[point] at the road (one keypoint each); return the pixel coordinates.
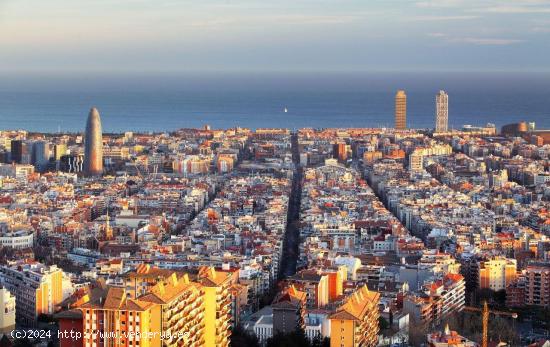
(291, 250)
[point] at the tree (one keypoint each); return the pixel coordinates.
(296, 338)
(500, 297)
(242, 338)
(383, 323)
(483, 294)
(24, 342)
(319, 341)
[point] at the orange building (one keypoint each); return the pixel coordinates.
(217, 306)
(369, 157)
(225, 164)
(159, 307)
(113, 319)
(341, 151)
(336, 280)
(355, 323)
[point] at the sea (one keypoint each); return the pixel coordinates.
(158, 102)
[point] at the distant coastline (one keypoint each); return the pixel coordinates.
(163, 103)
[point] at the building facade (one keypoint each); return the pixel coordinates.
(441, 112)
(537, 285)
(400, 110)
(289, 310)
(37, 289)
(93, 145)
(355, 323)
(497, 274)
(7, 311)
(163, 304)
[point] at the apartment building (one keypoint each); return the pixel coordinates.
(537, 285)
(289, 311)
(217, 306)
(497, 273)
(160, 303)
(37, 288)
(355, 322)
(7, 311)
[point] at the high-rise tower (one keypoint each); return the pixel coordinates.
(93, 145)
(400, 110)
(441, 112)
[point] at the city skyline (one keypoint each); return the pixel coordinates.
(274, 173)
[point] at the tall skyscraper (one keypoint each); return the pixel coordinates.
(40, 154)
(400, 110)
(93, 145)
(441, 112)
(18, 151)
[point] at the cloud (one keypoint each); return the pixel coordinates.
(490, 6)
(486, 41)
(541, 29)
(440, 3)
(514, 9)
(443, 18)
(479, 41)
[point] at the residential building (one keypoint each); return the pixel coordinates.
(355, 323)
(289, 311)
(497, 273)
(7, 311)
(537, 286)
(217, 306)
(37, 288)
(111, 318)
(448, 338)
(315, 284)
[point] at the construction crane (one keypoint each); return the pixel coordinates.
(485, 319)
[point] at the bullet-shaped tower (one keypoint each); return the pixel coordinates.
(93, 145)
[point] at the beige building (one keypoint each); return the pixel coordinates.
(38, 289)
(416, 162)
(497, 273)
(7, 311)
(400, 110)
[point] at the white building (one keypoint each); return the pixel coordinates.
(7, 311)
(17, 239)
(16, 170)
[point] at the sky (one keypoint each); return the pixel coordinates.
(65, 36)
